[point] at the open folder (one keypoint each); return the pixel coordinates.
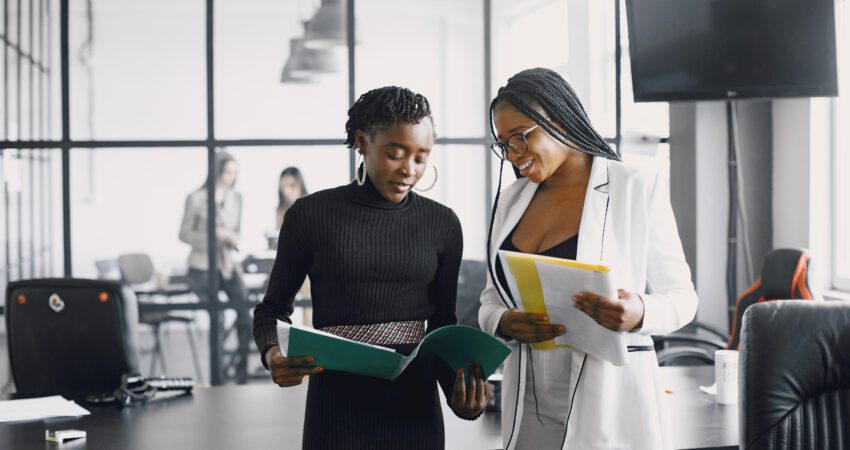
(457, 345)
(546, 285)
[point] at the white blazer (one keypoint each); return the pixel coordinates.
(627, 224)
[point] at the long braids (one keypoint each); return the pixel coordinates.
(547, 90)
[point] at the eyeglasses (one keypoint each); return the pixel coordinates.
(517, 143)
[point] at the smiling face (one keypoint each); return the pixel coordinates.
(396, 157)
(545, 155)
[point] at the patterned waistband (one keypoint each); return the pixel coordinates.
(389, 333)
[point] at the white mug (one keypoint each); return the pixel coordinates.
(726, 376)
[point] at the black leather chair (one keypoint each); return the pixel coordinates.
(784, 275)
(70, 336)
(794, 376)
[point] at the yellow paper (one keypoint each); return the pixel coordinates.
(524, 271)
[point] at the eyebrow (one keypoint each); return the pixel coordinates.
(396, 145)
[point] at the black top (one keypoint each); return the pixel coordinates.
(567, 249)
(369, 261)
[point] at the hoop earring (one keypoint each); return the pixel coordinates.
(436, 177)
(361, 163)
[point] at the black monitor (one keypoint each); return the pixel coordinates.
(726, 49)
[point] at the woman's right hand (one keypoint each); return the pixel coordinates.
(288, 372)
(529, 327)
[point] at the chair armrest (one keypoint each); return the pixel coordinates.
(715, 344)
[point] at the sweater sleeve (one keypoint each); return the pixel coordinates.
(287, 276)
(443, 291)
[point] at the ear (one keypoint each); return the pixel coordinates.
(361, 140)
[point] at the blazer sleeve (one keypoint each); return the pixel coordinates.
(672, 303)
(192, 231)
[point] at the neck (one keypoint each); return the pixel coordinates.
(574, 171)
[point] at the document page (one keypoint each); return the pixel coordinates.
(39, 408)
(559, 284)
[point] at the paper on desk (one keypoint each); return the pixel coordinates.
(39, 408)
(559, 283)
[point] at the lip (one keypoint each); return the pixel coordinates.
(399, 187)
(525, 172)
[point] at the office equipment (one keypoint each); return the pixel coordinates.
(546, 285)
(39, 408)
(784, 275)
(795, 375)
(728, 49)
(259, 415)
(457, 345)
(70, 336)
(61, 436)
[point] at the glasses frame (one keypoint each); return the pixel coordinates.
(501, 148)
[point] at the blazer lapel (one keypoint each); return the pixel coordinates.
(517, 208)
(594, 215)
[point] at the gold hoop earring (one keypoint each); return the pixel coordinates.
(436, 177)
(361, 164)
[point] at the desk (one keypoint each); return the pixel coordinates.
(263, 416)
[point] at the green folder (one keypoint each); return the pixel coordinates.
(457, 345)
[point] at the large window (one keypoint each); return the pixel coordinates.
(156, 89)
(841, 189)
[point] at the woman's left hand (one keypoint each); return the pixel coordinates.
(470, 402)
(625, 313)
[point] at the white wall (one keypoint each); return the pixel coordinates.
(802, 175)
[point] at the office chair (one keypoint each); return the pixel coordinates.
(794, 376)
(784, 275)
(54, 345)
(137, 270)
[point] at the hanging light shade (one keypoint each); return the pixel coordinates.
(327, 27)
(304, 63)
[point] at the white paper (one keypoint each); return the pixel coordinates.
(559, 284)
(39, 408)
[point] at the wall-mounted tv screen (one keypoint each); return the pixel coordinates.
(726, 49)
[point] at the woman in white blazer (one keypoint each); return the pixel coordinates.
(576, 199)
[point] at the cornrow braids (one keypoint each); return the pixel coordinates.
(382, 108)
(548, 90)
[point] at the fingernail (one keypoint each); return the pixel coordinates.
(575, 298)
(575, 305)
(460, 372)
(310, 359)
(321, 369)
(545, 318)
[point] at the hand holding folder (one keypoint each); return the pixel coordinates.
(455, 344)
(545, 285)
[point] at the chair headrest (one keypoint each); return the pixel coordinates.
(780, 269)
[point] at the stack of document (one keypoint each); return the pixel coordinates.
(546, 285)
(457, 345)
(39, 408)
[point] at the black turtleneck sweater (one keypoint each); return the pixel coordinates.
(369, 261)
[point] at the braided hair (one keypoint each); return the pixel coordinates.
(546, 89)
(381, 108)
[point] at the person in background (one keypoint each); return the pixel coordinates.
(576, 200)
(228, 218)
(291, 187)
(383, 262)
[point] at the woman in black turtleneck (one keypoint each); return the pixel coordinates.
(382, 261)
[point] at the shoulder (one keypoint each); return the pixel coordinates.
(633, 178)
(319, 198)
(437, 210)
